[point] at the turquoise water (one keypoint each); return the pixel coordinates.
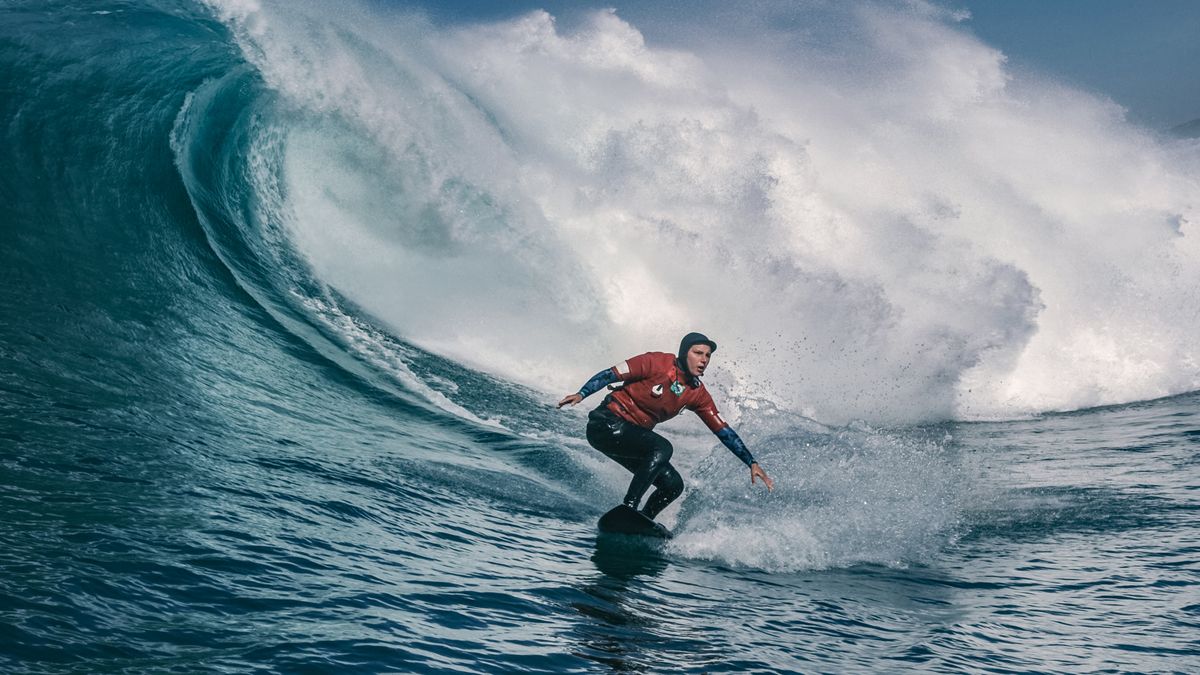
(213, 458)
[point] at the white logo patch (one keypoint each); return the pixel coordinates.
(656, 391)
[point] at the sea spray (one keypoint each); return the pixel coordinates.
(843, 496)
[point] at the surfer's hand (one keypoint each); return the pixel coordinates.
(756, 471)
(570, 399)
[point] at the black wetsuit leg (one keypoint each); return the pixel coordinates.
(667, 488)
(646, 454)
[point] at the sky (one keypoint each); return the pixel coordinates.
(1142, 54)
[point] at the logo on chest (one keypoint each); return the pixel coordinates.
(657, 390)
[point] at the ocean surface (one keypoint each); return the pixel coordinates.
(288, 292)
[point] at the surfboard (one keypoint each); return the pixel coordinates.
(625, 520)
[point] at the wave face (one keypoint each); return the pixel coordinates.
(285, 294)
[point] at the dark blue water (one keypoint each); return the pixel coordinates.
(213, 461)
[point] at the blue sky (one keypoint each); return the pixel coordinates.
(1143, 54)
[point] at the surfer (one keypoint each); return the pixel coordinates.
(657, 387)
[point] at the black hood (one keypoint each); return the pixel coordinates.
(689, 341)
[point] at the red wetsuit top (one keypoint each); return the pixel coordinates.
(656, 390)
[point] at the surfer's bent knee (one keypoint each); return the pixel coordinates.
(661, 449)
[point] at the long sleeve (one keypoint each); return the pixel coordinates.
(734, 442)
(707, 410)
(599, 381)
(630, 370)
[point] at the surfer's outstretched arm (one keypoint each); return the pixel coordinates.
(735, 444)
(599, 381)
(729, 438)
(630, 370)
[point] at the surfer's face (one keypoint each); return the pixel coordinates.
(697, 359)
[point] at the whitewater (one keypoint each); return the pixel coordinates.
(290, 290)
(914, 232)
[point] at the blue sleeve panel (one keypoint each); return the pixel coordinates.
(599, 381)
(734, 442)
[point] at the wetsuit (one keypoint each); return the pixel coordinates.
(657, 388)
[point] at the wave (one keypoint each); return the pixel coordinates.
(899, 230)
(887, 226)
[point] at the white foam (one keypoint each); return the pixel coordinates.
(897, 227)
(857, 495)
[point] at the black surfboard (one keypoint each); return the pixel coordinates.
(625, 520)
